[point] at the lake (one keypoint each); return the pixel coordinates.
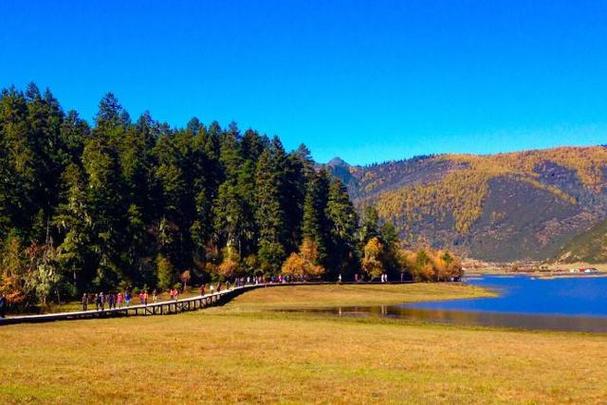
(564, 303)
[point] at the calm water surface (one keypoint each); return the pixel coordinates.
(567, 303)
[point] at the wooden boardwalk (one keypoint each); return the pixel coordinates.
(163, 307)
(158, 308)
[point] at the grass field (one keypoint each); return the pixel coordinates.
(245, 351)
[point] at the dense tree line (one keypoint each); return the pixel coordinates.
(138, 203)
(127, 202)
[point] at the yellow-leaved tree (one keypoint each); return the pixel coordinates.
(303, 264)
(13, 270)
(230, 264)
(372, 258)
(432, 265)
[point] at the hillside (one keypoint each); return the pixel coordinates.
(587, 247)
(524, 205)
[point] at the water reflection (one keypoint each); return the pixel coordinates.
(471, 318)
(568, 304)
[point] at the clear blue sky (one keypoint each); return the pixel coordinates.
(364, 80)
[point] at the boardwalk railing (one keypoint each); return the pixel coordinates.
(157, 308)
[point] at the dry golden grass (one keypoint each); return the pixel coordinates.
(316, 296)
(243, 353)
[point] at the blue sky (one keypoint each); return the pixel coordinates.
(365, 80)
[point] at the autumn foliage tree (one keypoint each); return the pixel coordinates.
(13, 271)
(372, 263)
(303, 265)
(165, 272)
(230, 264)
(431, 265)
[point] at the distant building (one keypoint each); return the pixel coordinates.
(588, 270)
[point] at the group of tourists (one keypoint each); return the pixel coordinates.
(113, 300)
(383, 278)
(123, 299)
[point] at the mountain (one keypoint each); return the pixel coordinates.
(588, 247)
(503, 207)
(344, 172)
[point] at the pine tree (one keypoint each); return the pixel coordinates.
(73, 132)
(19, 183)
(76, 253)
(293, 195)
(269, 210)
(176, 201)
(316, 225)
(111, 119)
(234, 214)
(369, 227)
(45, 118)
(106, 202)
(390, 258)
(343, 257)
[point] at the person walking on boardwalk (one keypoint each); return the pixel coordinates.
(154, 296)
(2, 305)
(202, 289)
(85, 301)
(119, 299)
(145, 297)
(111, 301)
(127, 298)
(99, 301)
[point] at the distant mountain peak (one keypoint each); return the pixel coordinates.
(337, 161)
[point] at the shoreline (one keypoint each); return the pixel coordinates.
(538, 274)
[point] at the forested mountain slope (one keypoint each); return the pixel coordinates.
(523, 205)
(588, 247)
